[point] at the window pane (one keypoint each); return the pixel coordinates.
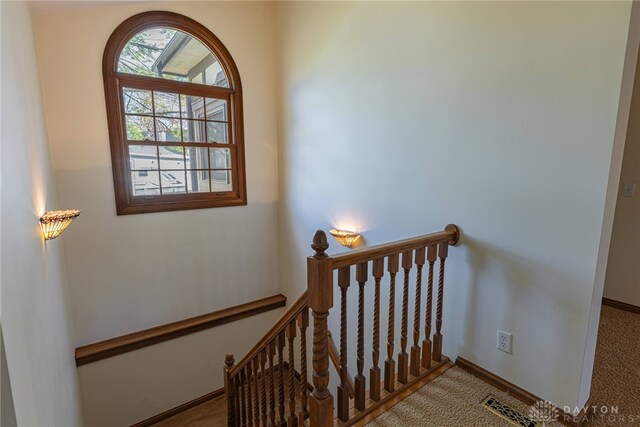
(197, 158)
(217, 109)
(221, 181)
(193, 131)
(197, 181)
(192, 107)
(220, 158)
(170, 54)
(137, 101)
(145, 183)
(168, 130)
(139, 128)
(171, 157)
(173, 182)
(166, 104)
(215, 76)
(143, 157)
(217, 132)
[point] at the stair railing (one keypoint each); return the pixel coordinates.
(261, 381)
(251, 384)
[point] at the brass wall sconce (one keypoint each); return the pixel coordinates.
(345, 237)
(53, 223)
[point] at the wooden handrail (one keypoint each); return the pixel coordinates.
(451, 235)
(257, 376)
(287, 317)
(114, 346)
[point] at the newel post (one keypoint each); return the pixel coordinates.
(320, 291)
(229, 390)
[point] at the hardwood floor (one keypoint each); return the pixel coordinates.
(209, 414)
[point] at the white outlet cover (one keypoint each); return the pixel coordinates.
(628, 189)
(504, 341)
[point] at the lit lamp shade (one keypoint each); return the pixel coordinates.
(54, 222)
(344, 237)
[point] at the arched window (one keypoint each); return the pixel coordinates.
(174, 107)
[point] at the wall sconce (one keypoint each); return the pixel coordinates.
(344, 237)
(54, 222)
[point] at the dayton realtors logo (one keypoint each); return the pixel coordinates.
(544, 412)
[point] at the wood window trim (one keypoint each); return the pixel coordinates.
(126, 203)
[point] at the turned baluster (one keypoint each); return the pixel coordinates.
(303, 324)
(403, 357)
(443, 249)
(415, 349)
(291, 336)
(344, 280)
(256, 390)
(360, 380)
(374, 372)
(280, 343)
(229, 390)
(320, 290)
(390, 364)
(426, 343)
(271, 352)
(263, 386)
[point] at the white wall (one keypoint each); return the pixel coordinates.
(133, 272)
(36, 326)
(146, 382)
(499, 117)
(623, 270)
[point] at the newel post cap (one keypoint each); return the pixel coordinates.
(229, 361)
(320, 243)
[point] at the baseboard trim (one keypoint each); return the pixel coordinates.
(180, 408)
(136, 340)
(518, 392)
(621, 305)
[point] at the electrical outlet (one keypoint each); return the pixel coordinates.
(628, 189)
(505, 341)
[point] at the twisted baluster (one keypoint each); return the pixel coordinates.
(303, 324)
(374, 373)
(256, 394)
(250, 392)
(291, 336)
(390, 364)
(344, 281)
(403, 357)
(282, 419)
(415, 349)
(263, 382)
(271, 351)
(242, 390)
(426, 343)
(360, 380)
(443, 249)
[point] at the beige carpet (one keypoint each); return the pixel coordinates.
(452, 399)
(616, 375)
